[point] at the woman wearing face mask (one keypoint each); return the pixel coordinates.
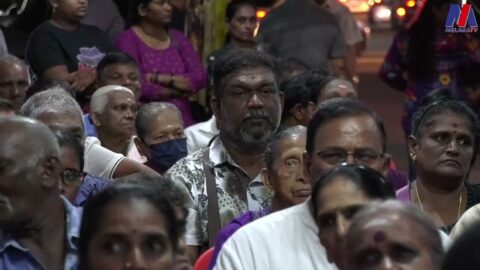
(337, 196)
(161, 139)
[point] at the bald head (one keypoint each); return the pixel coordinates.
(393, 233)
(28, 136)
(14, 80)
(30, 174)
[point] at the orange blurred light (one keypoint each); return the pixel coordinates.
(401, 12)
(343, 1)
(411, 3)
(378, 1)
(261, 14)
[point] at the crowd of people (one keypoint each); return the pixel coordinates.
(104, 166)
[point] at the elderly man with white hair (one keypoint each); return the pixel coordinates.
(113, 110)
(57, 109)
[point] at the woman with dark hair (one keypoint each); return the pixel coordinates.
(425, 57)
(443, 146)
(127, 226)
(337, 196)
(76, 185)
(169, 65)
(64, 49)
(241, 19)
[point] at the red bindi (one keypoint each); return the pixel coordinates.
(379, 236)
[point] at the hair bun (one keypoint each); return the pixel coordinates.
(436, 96)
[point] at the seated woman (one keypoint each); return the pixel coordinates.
(128, 226)
(161, 139)
(392, 235)
(64, 49)
(337, 196)
(76, 185)
(283, 175)
(170, 67)
(443, 145)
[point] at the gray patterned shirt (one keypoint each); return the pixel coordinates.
(233, 199)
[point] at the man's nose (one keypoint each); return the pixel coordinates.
(135, 260)
(255, 101)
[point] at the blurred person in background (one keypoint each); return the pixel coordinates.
(14, 80)
(105, 15)
(171, 69)
(62, 48)
(424, 57)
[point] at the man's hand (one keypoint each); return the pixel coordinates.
(83, 78)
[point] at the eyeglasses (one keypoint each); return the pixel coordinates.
(73, 178)
(335, 157)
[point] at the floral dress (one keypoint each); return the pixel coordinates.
(453, 52)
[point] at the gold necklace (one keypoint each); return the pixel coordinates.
(459, 201)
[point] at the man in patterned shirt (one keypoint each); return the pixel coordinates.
(247, 104)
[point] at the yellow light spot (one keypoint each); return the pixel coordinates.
(261, 14)
(411, 3)
(401, 12)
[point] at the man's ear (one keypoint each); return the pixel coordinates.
(96, 119)
(142, 10)
(142, 148)
(51, 173)
(266, 179)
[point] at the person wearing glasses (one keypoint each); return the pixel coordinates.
(341, 131)
(39, 228)
(76, 185)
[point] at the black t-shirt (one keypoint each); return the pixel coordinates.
(51, 46)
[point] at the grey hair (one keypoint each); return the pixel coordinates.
(430, 235)
(10, 59)
(100, 97)
(53, 100)
(271, 152)
(147, 112)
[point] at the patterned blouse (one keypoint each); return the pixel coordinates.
(179, 58)
(453, 52)
(232, 199)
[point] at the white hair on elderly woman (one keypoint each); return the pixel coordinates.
(99, 100)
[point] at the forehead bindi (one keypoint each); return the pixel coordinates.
(451, 122)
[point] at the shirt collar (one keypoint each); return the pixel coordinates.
(219, 155)
(72, 222)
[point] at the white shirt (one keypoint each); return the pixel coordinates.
(3, 45)
(99, 161)
(199, 135)
(287, 240)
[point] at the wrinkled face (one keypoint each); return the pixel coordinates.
(249, 109)
(445, 147)
(64, 121)
(243, 23)
(287, 177)
(165, 126)
(337, 203)
(73, 9)
(387, 241)
(20, 187)
(126, 75)
(132, 234)
(119, 115)
(157, 11)
(337, 88)
(71, 164)
(354, 140)
(14, 83)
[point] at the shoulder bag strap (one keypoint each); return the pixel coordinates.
(213, 212)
